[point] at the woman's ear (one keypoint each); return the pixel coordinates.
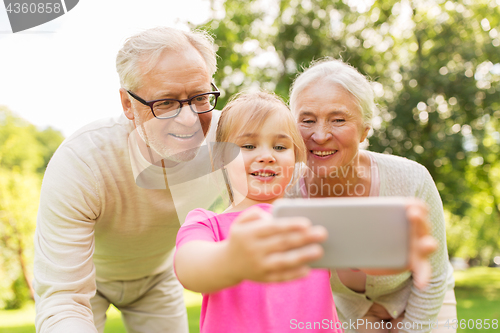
(365, 133)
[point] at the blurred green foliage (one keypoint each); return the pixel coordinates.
(434, 67)
(24, 154)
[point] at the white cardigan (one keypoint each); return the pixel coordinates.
(402, 177)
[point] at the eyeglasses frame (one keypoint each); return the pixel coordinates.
(181, 102)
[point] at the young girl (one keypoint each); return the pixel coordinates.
(229, 257)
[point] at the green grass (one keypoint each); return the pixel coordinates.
(21, 321)
(114, 323)
(18, 321)
(477, 291)
(478, 296)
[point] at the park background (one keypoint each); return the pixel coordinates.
(434, 67)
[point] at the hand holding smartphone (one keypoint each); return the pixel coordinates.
(368, 232)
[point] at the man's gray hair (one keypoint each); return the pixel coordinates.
(339, 72)
(146, 47)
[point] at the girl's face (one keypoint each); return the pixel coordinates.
(331, 124)
(266, 163)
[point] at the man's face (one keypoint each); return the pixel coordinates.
(178, 75)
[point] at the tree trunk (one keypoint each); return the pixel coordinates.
(20, 256)
(27, 278)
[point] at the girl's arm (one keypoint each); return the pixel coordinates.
(259, 248)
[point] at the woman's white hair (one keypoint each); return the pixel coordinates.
(339, 72)
(146, 47)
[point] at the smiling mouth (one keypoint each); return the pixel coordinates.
(263, 174)
(182, 136)
(323, 153)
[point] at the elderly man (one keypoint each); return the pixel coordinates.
(100, 237)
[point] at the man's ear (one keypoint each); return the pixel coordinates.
(126, 104)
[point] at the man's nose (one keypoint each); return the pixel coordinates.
(186, 116)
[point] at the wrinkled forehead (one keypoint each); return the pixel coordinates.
(186, 61)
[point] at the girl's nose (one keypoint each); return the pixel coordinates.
(266, 156)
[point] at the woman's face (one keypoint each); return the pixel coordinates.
(330, 121)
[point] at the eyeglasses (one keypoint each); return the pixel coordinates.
(170, 107)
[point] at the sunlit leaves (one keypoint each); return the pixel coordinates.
(24, 154)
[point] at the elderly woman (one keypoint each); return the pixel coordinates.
(334, 104)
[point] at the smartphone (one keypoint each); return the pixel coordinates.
(368, 232)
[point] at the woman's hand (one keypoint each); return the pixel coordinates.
(422, 245)
(264, 249)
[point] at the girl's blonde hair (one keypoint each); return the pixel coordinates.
(248, 112)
